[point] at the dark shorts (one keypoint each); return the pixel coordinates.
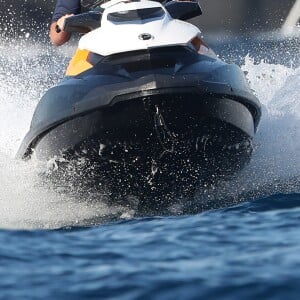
(64, 7)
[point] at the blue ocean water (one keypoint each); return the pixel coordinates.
(239, 240)
(248, 251)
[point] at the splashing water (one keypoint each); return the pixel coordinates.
(278, 140)
(28, 71)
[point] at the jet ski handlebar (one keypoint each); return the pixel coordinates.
(85, 22)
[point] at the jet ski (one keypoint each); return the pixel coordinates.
(145, 102)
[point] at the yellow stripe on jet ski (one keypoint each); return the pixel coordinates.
(79, 63)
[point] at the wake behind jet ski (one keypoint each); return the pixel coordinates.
(146, 103)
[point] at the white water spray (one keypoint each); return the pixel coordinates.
(25, 202)
(278, 139)
(27, 72)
